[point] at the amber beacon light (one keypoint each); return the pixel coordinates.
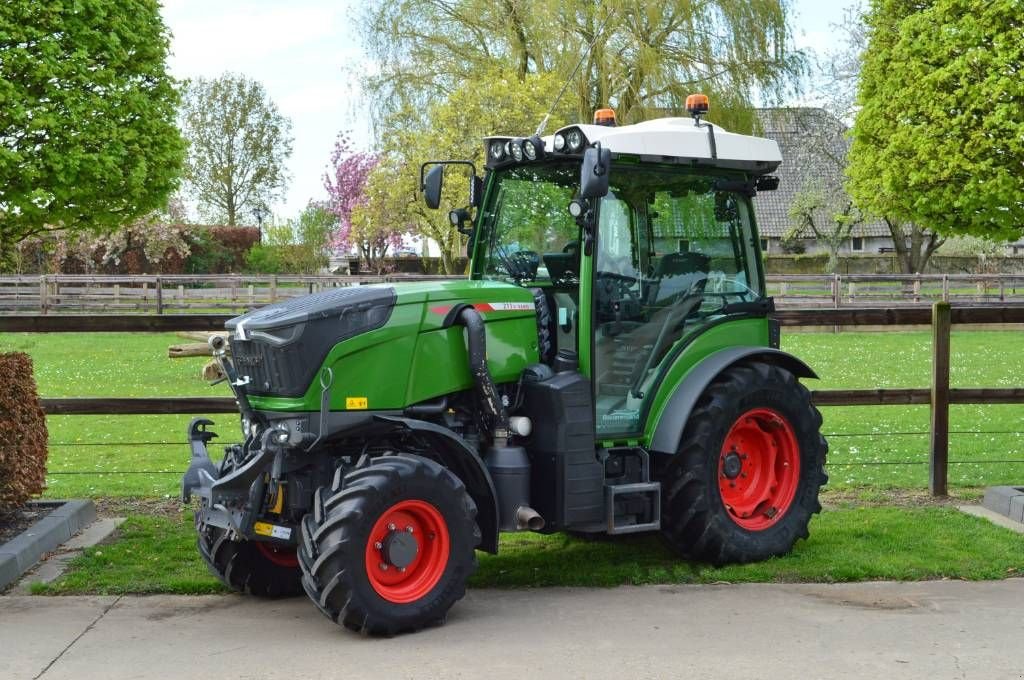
(604, 117)
(697, 105)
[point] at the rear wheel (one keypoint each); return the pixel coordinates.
(745, 481)
(389, 547)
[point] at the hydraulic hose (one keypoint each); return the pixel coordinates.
(490, 401)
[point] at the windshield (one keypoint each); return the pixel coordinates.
(531, 238)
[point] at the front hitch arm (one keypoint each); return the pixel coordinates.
(231, 501)
(198, 437)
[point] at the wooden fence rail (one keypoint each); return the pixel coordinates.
(939, 396)
(171, 294)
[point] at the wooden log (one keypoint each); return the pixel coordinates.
(212, 371)
(192, 349)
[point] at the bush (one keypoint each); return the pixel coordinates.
(283, 259)
(22, 433)
(209, 255)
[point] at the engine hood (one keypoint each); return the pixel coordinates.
(279, 348)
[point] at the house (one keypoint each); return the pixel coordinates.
(814, 144)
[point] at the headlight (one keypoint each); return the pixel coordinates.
(497, 150)
(529, 150)
(574, 139)
(559, 142)
(517, 151)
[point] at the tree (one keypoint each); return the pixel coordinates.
(828, 215)
(296, 246)
(647, 56)
(455, 128)
(838, 73)
(939, 138)
(87, 134)
(361, 205)
(238, 146)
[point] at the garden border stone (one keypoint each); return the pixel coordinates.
(1005, 500)
(21, 553)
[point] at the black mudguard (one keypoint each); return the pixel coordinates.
(461, 459)
(669, 430)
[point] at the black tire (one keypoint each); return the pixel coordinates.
(336, 537)
(245, 568)
(696, 521)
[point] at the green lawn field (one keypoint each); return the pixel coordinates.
(882, 446)
(874, 450)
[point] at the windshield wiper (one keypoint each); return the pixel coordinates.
(511, 266)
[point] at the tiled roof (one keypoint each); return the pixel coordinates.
(814, 145)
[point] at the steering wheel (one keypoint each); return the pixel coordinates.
(616, 288)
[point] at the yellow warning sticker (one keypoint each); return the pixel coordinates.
(355, 403)
(272, 530)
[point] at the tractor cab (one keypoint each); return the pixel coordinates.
(637, 239)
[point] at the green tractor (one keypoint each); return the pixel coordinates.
(609, 366)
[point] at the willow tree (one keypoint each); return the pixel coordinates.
(647, 54)
(452, 128)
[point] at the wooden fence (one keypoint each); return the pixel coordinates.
(170, 294)
(859, 290)
(942, 316)
(59, 294)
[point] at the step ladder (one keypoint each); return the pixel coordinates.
(629, 524)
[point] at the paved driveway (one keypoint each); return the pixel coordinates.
(874, 630)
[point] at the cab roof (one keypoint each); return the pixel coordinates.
(680, 138)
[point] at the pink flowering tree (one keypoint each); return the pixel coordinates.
(362, 216)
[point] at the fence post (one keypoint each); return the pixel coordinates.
(273, 288)
(43, 290)
(159, 295)
(939, 463)
(945, 287)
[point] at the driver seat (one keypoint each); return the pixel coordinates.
(676, 275)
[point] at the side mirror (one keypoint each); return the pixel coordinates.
(431, 186)
(597, 162)
(459, 218)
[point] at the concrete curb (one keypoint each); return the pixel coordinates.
(1005, 500)
(22, 552)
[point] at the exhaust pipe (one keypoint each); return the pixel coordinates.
(528, 518)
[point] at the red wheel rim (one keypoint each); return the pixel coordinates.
(282, 557)
(759, 469)
(408, 579)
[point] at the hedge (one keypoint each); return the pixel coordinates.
(23, 435)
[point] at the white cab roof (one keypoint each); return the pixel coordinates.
(681, 138)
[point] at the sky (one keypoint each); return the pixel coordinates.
(308, 54)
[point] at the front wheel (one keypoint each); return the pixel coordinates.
(389, 547)
(745, 480)
(250, 567)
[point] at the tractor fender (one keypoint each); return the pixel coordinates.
(669, 430)
(467, 465)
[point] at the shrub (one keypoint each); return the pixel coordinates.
(22, 433)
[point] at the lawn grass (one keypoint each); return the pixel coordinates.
(867, 444)
(158, 555)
